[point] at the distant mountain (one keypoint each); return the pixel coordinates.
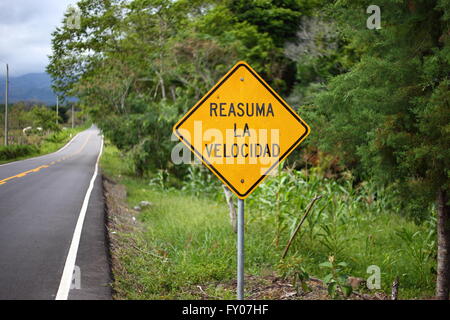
(35, 87)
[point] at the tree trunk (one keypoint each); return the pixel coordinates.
(443, 254)
(163, 88)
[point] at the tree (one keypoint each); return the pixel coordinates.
(18, 116)
(389, 116)
(76, 51)
(278, 18)
(45, 118)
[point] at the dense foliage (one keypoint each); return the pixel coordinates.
(389, 115)
(16, 151)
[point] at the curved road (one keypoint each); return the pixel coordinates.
(40, 204)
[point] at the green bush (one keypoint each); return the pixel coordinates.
(58, 137)
(16, 151)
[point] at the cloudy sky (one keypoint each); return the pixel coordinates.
(25, 32)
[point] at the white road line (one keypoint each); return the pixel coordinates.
(44, 155)
(66, 279)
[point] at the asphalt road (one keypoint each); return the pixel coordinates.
(40, 204)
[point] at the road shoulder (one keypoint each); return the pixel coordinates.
(92, 274)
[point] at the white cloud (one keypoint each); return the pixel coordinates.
(25, 32)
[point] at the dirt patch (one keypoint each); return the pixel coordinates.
(120, 217)
(272, 287)
(120, 221)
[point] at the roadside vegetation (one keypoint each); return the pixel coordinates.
(33, 131)
(183, 246)
(377, 102)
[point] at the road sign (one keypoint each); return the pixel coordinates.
(241, 129)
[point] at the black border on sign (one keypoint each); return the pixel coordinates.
(294, 145)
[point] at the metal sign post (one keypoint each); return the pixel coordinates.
(240, 250)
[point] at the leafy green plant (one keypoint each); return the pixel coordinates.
(420, 246)
(332, 233)
(336, 280)
(160, 180)
(58, 137)
(201, 182)
(292, 268)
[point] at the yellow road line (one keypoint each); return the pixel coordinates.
(23, 174)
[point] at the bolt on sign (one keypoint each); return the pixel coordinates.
(241, 129)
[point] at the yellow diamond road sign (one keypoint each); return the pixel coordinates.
(241, 129)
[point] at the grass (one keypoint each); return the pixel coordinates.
(185, 240)
(49, 144)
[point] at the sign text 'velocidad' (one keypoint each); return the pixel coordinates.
(254, 148)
